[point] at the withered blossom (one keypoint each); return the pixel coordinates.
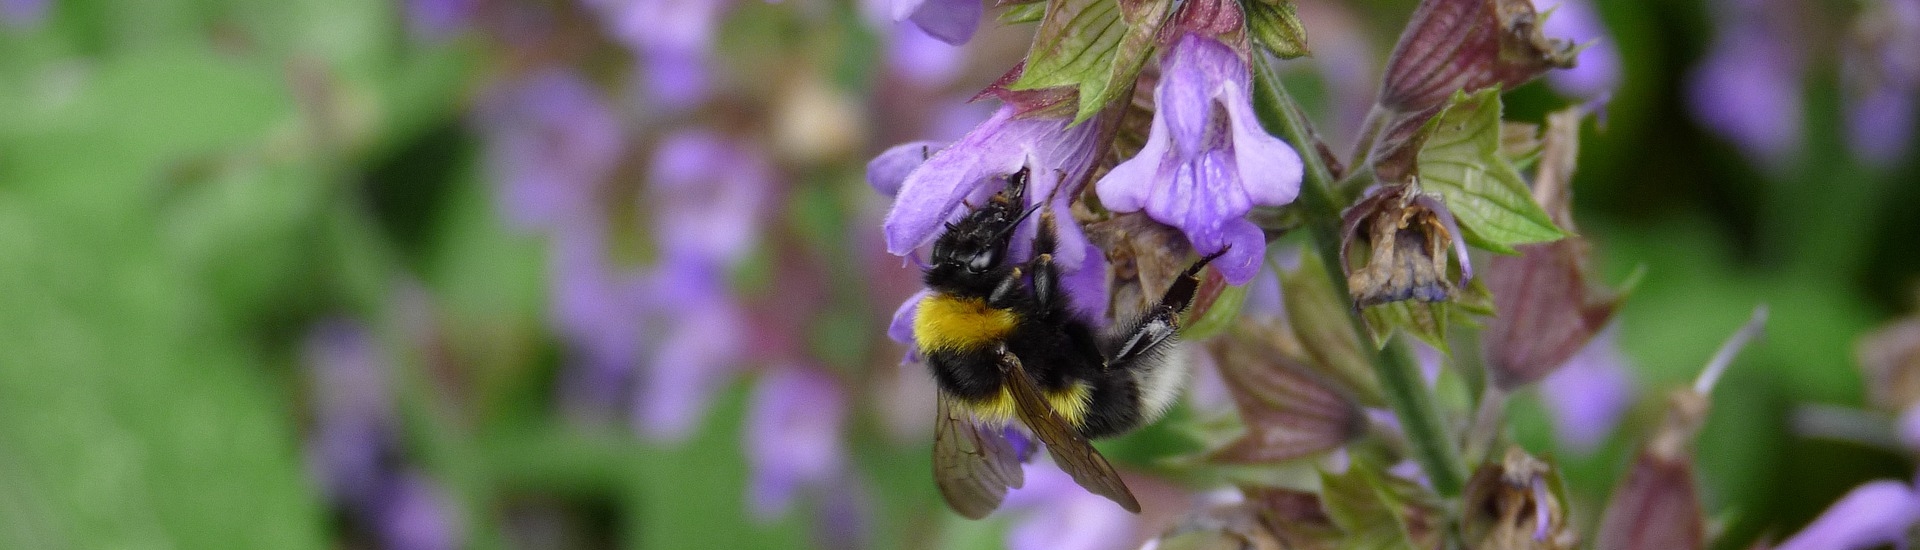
(1453, 45)
(1510, 506)
(1408, 234)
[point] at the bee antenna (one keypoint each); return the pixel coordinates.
(1016, 221)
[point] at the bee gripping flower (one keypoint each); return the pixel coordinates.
(1207, 162)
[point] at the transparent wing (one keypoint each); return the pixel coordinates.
(1069, 449)
(973, 466)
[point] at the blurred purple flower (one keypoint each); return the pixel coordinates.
(1876, 514)
(352, 451)
(1596, 73)
(1207, 162)
(1748, 87)
(923, 58)
(22, 13)
(951, 21)
(1587, 396)
(699, 349)
(707, 195)
(551, 144)
(438, 19)
(1056, 514)
(1882, 74)
(598, 310)
(1909, 428)
(673, 38)
(794, 437)
(417, 516)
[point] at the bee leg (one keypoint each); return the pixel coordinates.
(1005, 293)
(1163, 319)
(1046, 278)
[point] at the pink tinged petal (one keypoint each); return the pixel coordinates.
(1587, 397)
(793, 436)
(901, 328)
(1270, 171)
(1875, 514)
(951, 21)
(1197, 70)
(1086, 287)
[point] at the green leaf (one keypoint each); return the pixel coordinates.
(1461, 161)
(1424, 320)
(1023, 13)
(1096, 47)
(1276, 26)
(1376, 510)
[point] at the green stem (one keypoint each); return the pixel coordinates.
(1400, 379)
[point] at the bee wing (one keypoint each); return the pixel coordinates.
(1069, 449)
(973, 466)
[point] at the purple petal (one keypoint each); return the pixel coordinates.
(793, 436)
(676, 79)
(1910, 427)
(888, 171)
(708, 195)
(1197, 71)
(999, 146)
(1086, 285)
(551, 143)
(1270, 171)
(419, 516)
(1126, 187)
(1242, 262)
(1589, 394)
(1748, 90)
(951, 21)
(1056, 514)
(1597, 71)
(901, 328)
(922, 58)
(1880, 125)
(694, 358)
(438, 19)
(1877, 513)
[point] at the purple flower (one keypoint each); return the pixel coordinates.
(951, 21)
(353, 452)
(699, 348)
(1883, 78)
(551, 144)
(966, 171)
(1748, 88)
(1872, 515)
(22, 13)
(794, 436)
(438, 19)
(598, 310)
(672, 38)
(1207, 162)
(707, 196)
(1056, 514)
(418, 515)
(923, 58)
(1596, 72)
(1587, 396)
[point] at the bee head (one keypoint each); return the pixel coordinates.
(977, 244)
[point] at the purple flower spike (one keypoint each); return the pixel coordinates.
(933, 194)
(1596, 72)
(951, 21)
(551, 143)
(1883, 78)
(707, 195)
(1207, 162)
(1872, 515)
(1587, 396)
(793, 437)
(353, 413)
(695, 354)
(418, 515)
(1748, 89)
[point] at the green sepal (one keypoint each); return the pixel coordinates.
(1023, 13)
(1218, 317)
(1462, 162)
(1275, 25)
(1426, 321)
(1377, 511)
(1094, 46)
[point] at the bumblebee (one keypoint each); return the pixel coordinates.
(1004, 345)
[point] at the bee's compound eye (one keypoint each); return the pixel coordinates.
(980, 262)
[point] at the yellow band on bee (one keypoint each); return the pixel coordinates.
(946, 323)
